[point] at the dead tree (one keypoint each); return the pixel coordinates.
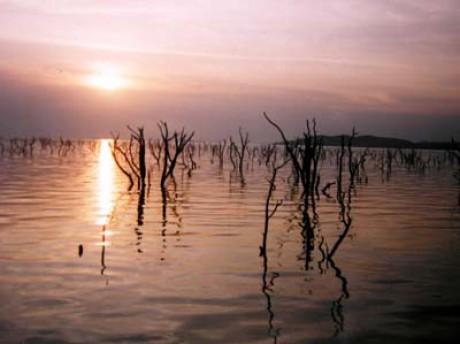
(31, 145)
(344, 202)
(130, 158)
(220, 153)
(269, 152)
(240, 151)
(340, 155)
(156, 148)
(316, 150)
(455, 152)
(361, 170)
(173, 146)
(269, 213)
(304, 155)
(119, 154)
(352, 163)
(187, 158)
(65, 146)
(139, 163)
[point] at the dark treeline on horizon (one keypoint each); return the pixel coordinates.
(384, 142)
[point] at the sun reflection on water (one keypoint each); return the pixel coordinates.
(106, 178)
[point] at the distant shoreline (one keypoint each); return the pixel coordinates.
(369, 141)
(363, 141)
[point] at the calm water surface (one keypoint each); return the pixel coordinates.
(195, 275)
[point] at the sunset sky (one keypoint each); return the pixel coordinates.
(85, 68)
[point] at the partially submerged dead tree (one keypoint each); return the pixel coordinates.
(121, 158)
(361, 170)
(220, 152)
(20, 146)
(269, 213)
(130, 158)
(188, 160)
(353, 164)
(156, 149)
(138, 137)
(267, 283)
(240, 152)
(269, 152)
(340, 156)
(455, 152)
(304, 154)
(173, 146)
(344, 197)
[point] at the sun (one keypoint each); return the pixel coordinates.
(107, 77)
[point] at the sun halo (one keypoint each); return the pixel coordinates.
(107, 77)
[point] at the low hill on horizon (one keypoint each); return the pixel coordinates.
(371, 141)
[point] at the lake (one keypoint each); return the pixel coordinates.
(189, 271)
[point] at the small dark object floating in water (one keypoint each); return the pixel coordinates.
(80, 250)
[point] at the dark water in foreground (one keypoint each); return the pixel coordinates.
(196, 275)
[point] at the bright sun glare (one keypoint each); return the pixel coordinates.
(107, 77)
(106, 181)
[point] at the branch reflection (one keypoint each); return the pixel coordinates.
(267, 288)
(103, 245)
(170, 201)
(344, 199)
(337, 307)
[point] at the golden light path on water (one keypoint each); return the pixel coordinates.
(106, 179)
